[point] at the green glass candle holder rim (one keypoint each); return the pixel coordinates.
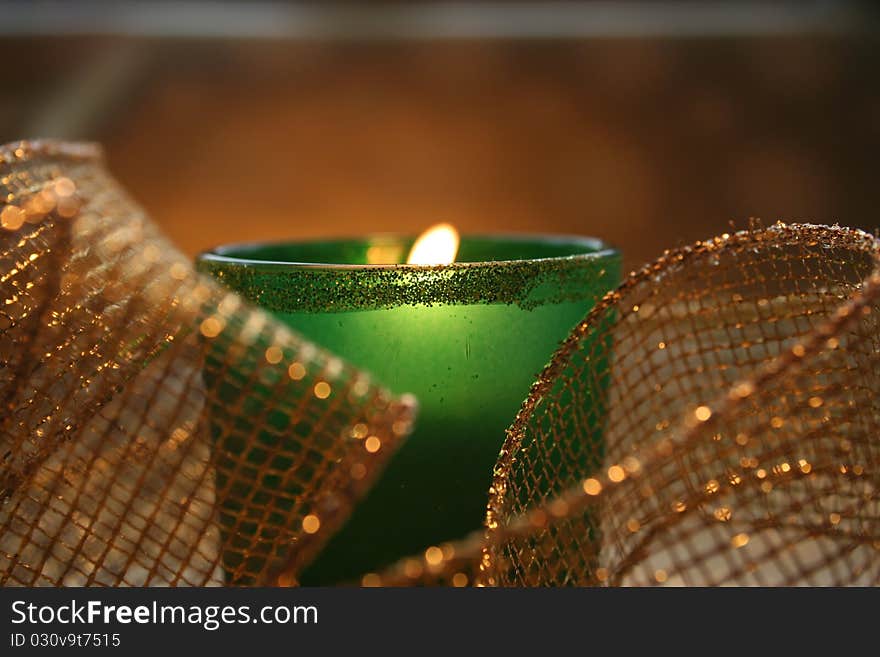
(576, 267)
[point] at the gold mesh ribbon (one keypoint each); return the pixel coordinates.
(155, 428)
(737, 442)
(158, 430)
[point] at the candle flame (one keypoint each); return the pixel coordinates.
(436, 246)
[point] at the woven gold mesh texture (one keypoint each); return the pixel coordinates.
(731, 439)
(155, 429)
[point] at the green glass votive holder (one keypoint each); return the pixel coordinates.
(467, 339)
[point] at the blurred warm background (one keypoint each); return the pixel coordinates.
(647, 123)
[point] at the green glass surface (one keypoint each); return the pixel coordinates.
(467, 339)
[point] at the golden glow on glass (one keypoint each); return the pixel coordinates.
(372, 444)
(384, 254)
(436, 246)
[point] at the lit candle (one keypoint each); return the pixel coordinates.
(467, 338)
